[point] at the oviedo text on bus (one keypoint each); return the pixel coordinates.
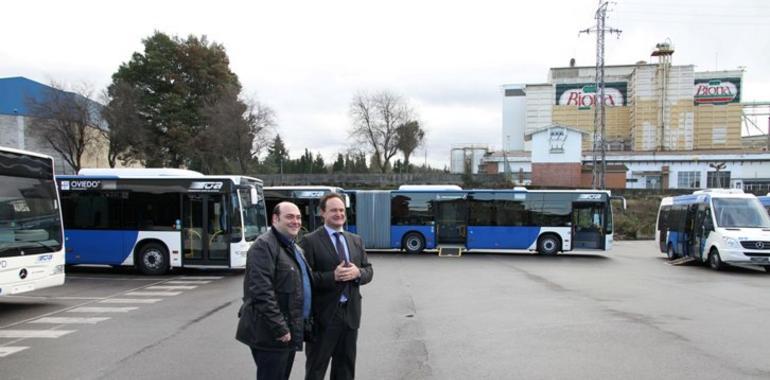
(415, 218)
(715, 226)
(157, 219)
(31, 249)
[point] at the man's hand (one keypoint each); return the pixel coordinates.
(346, 273)
(286, 338)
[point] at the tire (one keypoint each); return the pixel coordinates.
(548, 245)
(413, 243)
(767, 269)
(670, 252)
(715, 262)
(152, 259)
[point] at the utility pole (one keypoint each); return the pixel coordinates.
(599, 141)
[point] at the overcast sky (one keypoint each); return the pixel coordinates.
(306, 59)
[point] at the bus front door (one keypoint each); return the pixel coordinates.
(588, 225)
(451, 221)
(205, 237)
(699, 231)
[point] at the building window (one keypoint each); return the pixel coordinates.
(652, 182)
(718, 179)
(688, 180)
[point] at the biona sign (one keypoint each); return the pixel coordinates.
(585, 96)
(716, 91)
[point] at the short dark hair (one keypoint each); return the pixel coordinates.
(328, 196)
(277, 209)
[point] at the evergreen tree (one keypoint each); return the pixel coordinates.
(339, 164)
(174, 80)
(278, 155)
(318, 164)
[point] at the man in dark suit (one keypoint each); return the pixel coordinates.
(340, 267)
(276, 296)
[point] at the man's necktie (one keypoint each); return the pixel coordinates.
(340, 248)
(341, 254)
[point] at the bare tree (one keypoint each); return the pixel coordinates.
(375, 121)
(409, 136)
(235, 134)
(69, 121)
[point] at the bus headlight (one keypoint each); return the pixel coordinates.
(57, 269)
(731, 243)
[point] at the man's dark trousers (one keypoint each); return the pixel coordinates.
(273, 365)
(338, 342)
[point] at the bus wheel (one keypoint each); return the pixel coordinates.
(413, 243)
(152, 259)
(670, 252)
(767, 269)
(548, 245)
(715, 262)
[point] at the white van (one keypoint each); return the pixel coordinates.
(715, 226)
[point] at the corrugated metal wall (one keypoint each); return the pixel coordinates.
(373, 217)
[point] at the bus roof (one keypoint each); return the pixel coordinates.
(233, 178)
(316, 188)
(24, 152)
(139, 172)
(429, 187)
(705, 195)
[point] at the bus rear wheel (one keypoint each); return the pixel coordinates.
(414, 243)
(152, 259)
(548, 245)
(715, 262)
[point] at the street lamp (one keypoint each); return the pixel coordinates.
(717, 167)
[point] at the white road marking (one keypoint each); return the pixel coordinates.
(201, 277)
(131, 300)
(153, 294)
(185, 282)
(5, 351)
(171, 287)
(34, 333)
(67, 320)
(88, 309)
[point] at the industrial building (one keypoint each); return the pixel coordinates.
(666, 126)
(18, 96)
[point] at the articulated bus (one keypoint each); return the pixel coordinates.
(31, 249)
(305, 197)
(157, 219)
(715, 226)
(546, 221)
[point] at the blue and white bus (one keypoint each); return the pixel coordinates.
(545, 221)
(31, 249)
(158, 219)
(715, 226)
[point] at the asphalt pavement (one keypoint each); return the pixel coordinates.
(624, 314)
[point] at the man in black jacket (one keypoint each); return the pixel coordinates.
(340, 266)
(276, 296)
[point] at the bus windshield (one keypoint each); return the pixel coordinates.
(253, 215)
(740, 213)
(29, 216)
